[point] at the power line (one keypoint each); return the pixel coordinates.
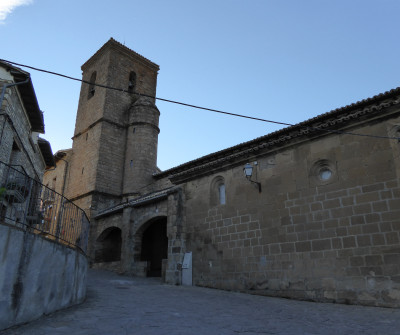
(199, 107)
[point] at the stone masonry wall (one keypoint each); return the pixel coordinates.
(57, 178)
(111, 155)
(16, 127)
(303, 236)
(82, 177)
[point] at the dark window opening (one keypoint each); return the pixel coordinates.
(132, 82)
(15, 146)
(16, 155)
(91, 85)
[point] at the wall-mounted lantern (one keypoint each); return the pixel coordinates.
(248, 172)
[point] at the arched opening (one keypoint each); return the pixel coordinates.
(108, 246)
(155, 246)
(218, 191)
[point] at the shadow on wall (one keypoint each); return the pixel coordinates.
(35, 269)
(108, 246)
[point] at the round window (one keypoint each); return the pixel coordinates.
(325, 174)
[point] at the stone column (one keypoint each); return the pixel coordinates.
(176, 237)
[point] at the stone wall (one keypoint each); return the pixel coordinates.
(38, 276)
(57, 178)
(310, 234)
(15, 128)
(82, 178)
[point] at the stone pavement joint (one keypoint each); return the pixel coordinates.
(123, 305)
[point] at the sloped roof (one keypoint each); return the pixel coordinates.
(28, 96)
(328, 122)
(136, 202)
(47, 153)
(113, 43)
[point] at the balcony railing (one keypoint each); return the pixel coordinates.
(30, 205)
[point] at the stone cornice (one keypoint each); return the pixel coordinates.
(102, 119)
(92, 193)
(333, 122)
(144, 124)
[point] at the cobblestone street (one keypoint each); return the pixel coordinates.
(124, 305)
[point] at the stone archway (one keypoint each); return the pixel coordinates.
(154, 245)
(108, 246)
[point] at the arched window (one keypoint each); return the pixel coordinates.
(132, 82)
(218, 191)
(91, 85)
(221, 194)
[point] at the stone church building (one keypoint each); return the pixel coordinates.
(318, 219)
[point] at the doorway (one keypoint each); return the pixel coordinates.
(155, 246)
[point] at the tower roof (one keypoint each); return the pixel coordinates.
(113, 44)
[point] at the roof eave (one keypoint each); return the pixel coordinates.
(28, 95)
(282, 136)
(47, 153)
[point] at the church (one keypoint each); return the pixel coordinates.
(311, 211)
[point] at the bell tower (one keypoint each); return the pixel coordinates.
(116, 133)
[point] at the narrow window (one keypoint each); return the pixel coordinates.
(218, 191)
(91, 85)
(132, 82)
(87, 135)
(221, 193)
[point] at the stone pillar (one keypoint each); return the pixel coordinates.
(176, 237)
(127, 261)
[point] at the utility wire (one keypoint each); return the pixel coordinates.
(199, 107)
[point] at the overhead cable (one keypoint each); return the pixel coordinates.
(311, 128)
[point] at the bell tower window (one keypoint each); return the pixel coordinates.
(132, 82)
(92, 85)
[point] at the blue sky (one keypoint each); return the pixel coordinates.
(274, 59)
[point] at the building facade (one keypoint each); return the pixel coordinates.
(36, 260)
(23, 154)
(21, 122)
(318, 219)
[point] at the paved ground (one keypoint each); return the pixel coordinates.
(123, 305)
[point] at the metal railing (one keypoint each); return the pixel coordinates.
(30, 205)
